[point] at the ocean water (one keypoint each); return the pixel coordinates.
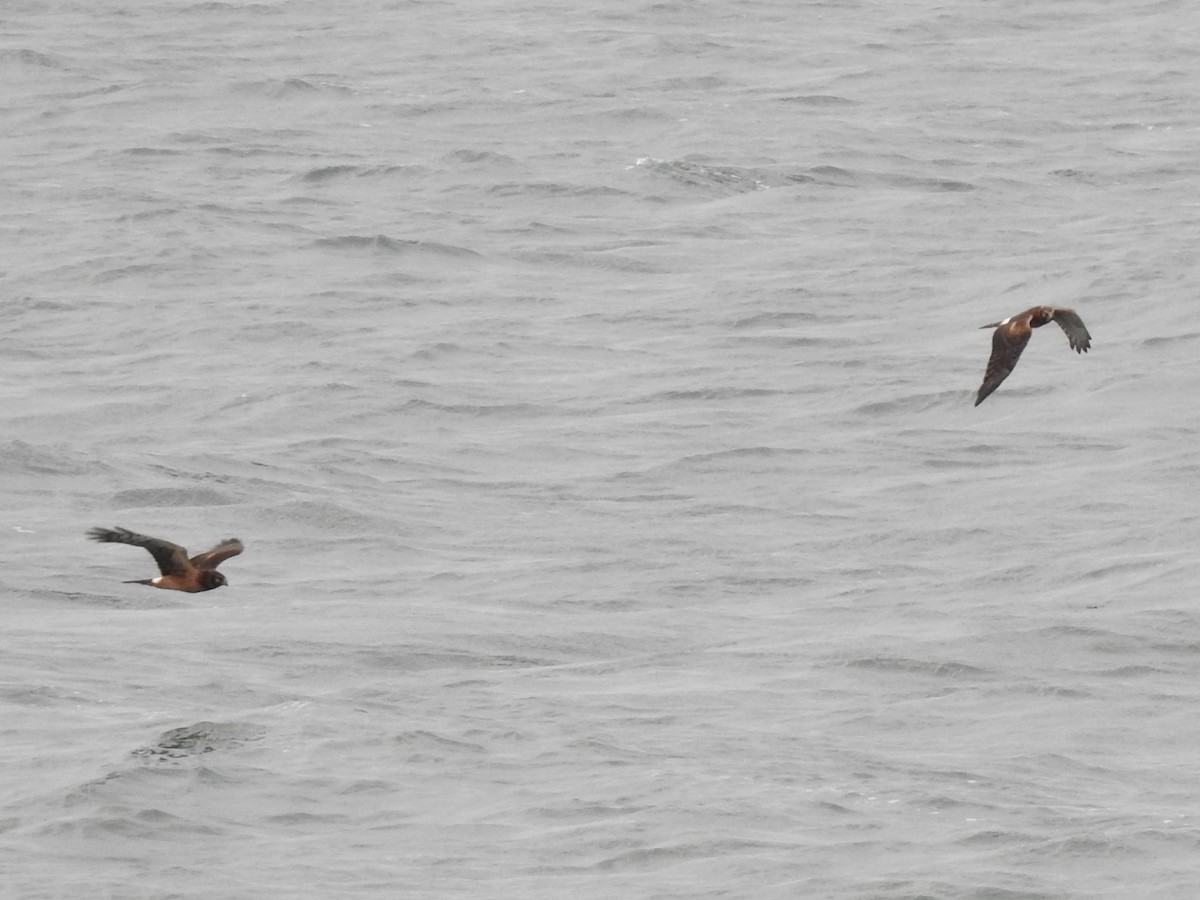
(592, 388)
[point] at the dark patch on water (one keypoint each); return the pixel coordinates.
(200, 738)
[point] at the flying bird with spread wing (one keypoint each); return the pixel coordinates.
(1013, 333)
(179, 573)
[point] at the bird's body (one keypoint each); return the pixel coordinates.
(179, 573)
(1013, 334)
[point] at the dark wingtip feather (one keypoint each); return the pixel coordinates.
(108, 535)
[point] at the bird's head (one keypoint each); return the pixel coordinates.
(212, 579)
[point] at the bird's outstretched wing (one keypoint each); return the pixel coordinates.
(171, 558)
(210, 559)
(1006, 350)
(1077, 333)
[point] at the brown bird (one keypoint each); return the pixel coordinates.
(1013, 333)
(178, 572)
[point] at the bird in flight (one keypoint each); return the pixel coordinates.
(1013, 333)
(179, 573)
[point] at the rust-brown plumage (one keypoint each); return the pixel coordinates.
(179, 573)
(1013, 333)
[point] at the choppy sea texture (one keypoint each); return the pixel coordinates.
(592, 388)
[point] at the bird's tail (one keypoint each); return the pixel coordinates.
(142, 581)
